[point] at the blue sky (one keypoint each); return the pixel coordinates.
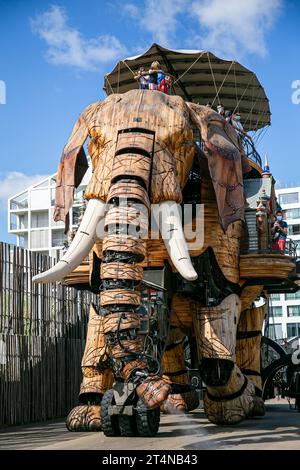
(53, 55)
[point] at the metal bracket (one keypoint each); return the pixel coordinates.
(120, 410)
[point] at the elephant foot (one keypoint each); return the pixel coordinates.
(258, 408)
(230, 409)
(84, 418)
(153, 391)
(174, 404)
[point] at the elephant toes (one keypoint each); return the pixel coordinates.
(84, 418)
(225, 410)
(180, 403)
(174, 404)
(153, 391)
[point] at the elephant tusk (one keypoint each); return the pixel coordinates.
(80, 246)
(174, 239)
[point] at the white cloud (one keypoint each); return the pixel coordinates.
(13, 182)
(131, 9)
(67, 46)
(158, 18)
(234, 28)
(230, 28)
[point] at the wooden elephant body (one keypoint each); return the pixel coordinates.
(149, 149)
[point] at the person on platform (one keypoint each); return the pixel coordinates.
(279, 232)
(165, 84)
(221, 110)
(228, 116)
(235, 121)
(143, 78)
(154, 71)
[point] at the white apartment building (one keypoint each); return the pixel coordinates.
(285, 308)
(30, 216)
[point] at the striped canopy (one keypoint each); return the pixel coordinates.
(200, 77)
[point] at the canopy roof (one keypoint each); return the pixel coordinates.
(200, 77)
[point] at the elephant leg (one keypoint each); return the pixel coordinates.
(97, 378)
(248, 351)
(229, 396)
(173, 366)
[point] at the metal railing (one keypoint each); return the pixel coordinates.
(251, 151)
(289, 250)
(248, 146)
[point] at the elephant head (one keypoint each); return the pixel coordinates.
(142, 148)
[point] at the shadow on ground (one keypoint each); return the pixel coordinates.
(280, 427)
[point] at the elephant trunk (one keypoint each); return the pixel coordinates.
(125, 224)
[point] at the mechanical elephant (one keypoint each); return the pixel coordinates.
(144, 147)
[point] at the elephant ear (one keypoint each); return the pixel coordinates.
(72, 167)
(226, 162)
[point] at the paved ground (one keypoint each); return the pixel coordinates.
(279, 429)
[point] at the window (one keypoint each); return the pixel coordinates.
(275, 331)
(292, 213)
(13, 222)
(288, 198)
(20, 202)
(294, 229)
(23, 221)
(275, 297)
(294, 296)
(58, 238)
(39, 239)
(293, 329)
(79, 195)
(293, 310)
(76, 215)
(276, 311)
(39, 219)
(23, 241)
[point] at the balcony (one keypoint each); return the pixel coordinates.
(278, 271)
(260, 263)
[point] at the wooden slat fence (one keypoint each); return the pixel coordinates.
(42, 337)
